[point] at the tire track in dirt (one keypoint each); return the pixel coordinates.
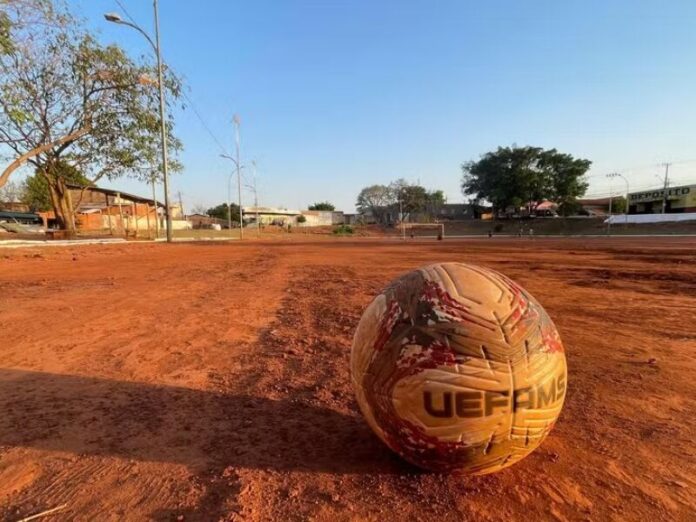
(107, 446)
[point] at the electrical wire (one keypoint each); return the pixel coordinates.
(183, 92)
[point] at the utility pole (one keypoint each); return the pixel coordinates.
(664, 192)
(236, 122)
(154, 199)
(611, 198)
(401, 215)
(628, 191)
(229, 203)
(256, 201)
(116, 19)
(163, 127)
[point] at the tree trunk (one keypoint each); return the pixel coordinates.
(62, 203)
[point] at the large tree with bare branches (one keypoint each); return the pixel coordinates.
(67, 99)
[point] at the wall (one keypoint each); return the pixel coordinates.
(318, 218)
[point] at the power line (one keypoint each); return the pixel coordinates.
(125, 11)
(183, 92)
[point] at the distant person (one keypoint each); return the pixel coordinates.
(531, 232)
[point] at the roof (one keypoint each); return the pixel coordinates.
(597, 201)
(18, 215)
(114, 193)
(271, 210)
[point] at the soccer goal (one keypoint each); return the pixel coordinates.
(413, 230)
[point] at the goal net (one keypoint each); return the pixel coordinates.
(412, 230)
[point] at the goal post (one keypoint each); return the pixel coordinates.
(414, 230)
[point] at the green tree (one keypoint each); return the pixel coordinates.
(436, 199)
(512, 177)
(618, 205)
(566, 182)
(36, 192)
(322, 205)
(66, 98)
(416, 199)
(386, 201)
(221, 212)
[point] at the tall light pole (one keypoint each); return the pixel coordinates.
(237, 122)
(618, 175)
(256, 201)
(401, 213)
(116, 19)
(237, 170)
(611, 198)
(229, 202)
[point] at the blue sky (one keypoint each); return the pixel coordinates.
(337, 95)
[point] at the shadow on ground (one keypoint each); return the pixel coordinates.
(203, 430)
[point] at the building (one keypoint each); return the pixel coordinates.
(315, 218)
(270, 215)
(598, 207)
(102, 209)
(205, 221)
(678, 199)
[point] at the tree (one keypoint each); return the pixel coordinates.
(322, 205)
(221, 212)
(436, 199)
(11, 193)
(566, 174)
(376, 200)
(36, 192)
(385, 202)
(618, 205)
(512, 177)
(66, 99)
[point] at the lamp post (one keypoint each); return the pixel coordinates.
(256, 201)
(116, 19)
(237, 170)
(618, 175)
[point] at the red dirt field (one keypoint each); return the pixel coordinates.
(204, 381)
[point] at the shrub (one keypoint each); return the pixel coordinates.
(343, 230)
(301, 219)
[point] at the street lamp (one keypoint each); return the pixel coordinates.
(618, 175)
(238, 168)
(116, 19)
(238, 165)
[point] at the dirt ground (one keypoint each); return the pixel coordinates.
(207, 381)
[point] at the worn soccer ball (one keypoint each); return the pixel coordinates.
(455, 366)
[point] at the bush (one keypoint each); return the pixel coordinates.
(301, 219)
(498, 227)
(343, 230)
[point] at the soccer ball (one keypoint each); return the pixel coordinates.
(455, 366)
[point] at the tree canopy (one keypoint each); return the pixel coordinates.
(322, 205)
(35, 191)
(513, 177)
(67, 99)
(386, 201)
(221, 212)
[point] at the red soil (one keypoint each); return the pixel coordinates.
(210, 381)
